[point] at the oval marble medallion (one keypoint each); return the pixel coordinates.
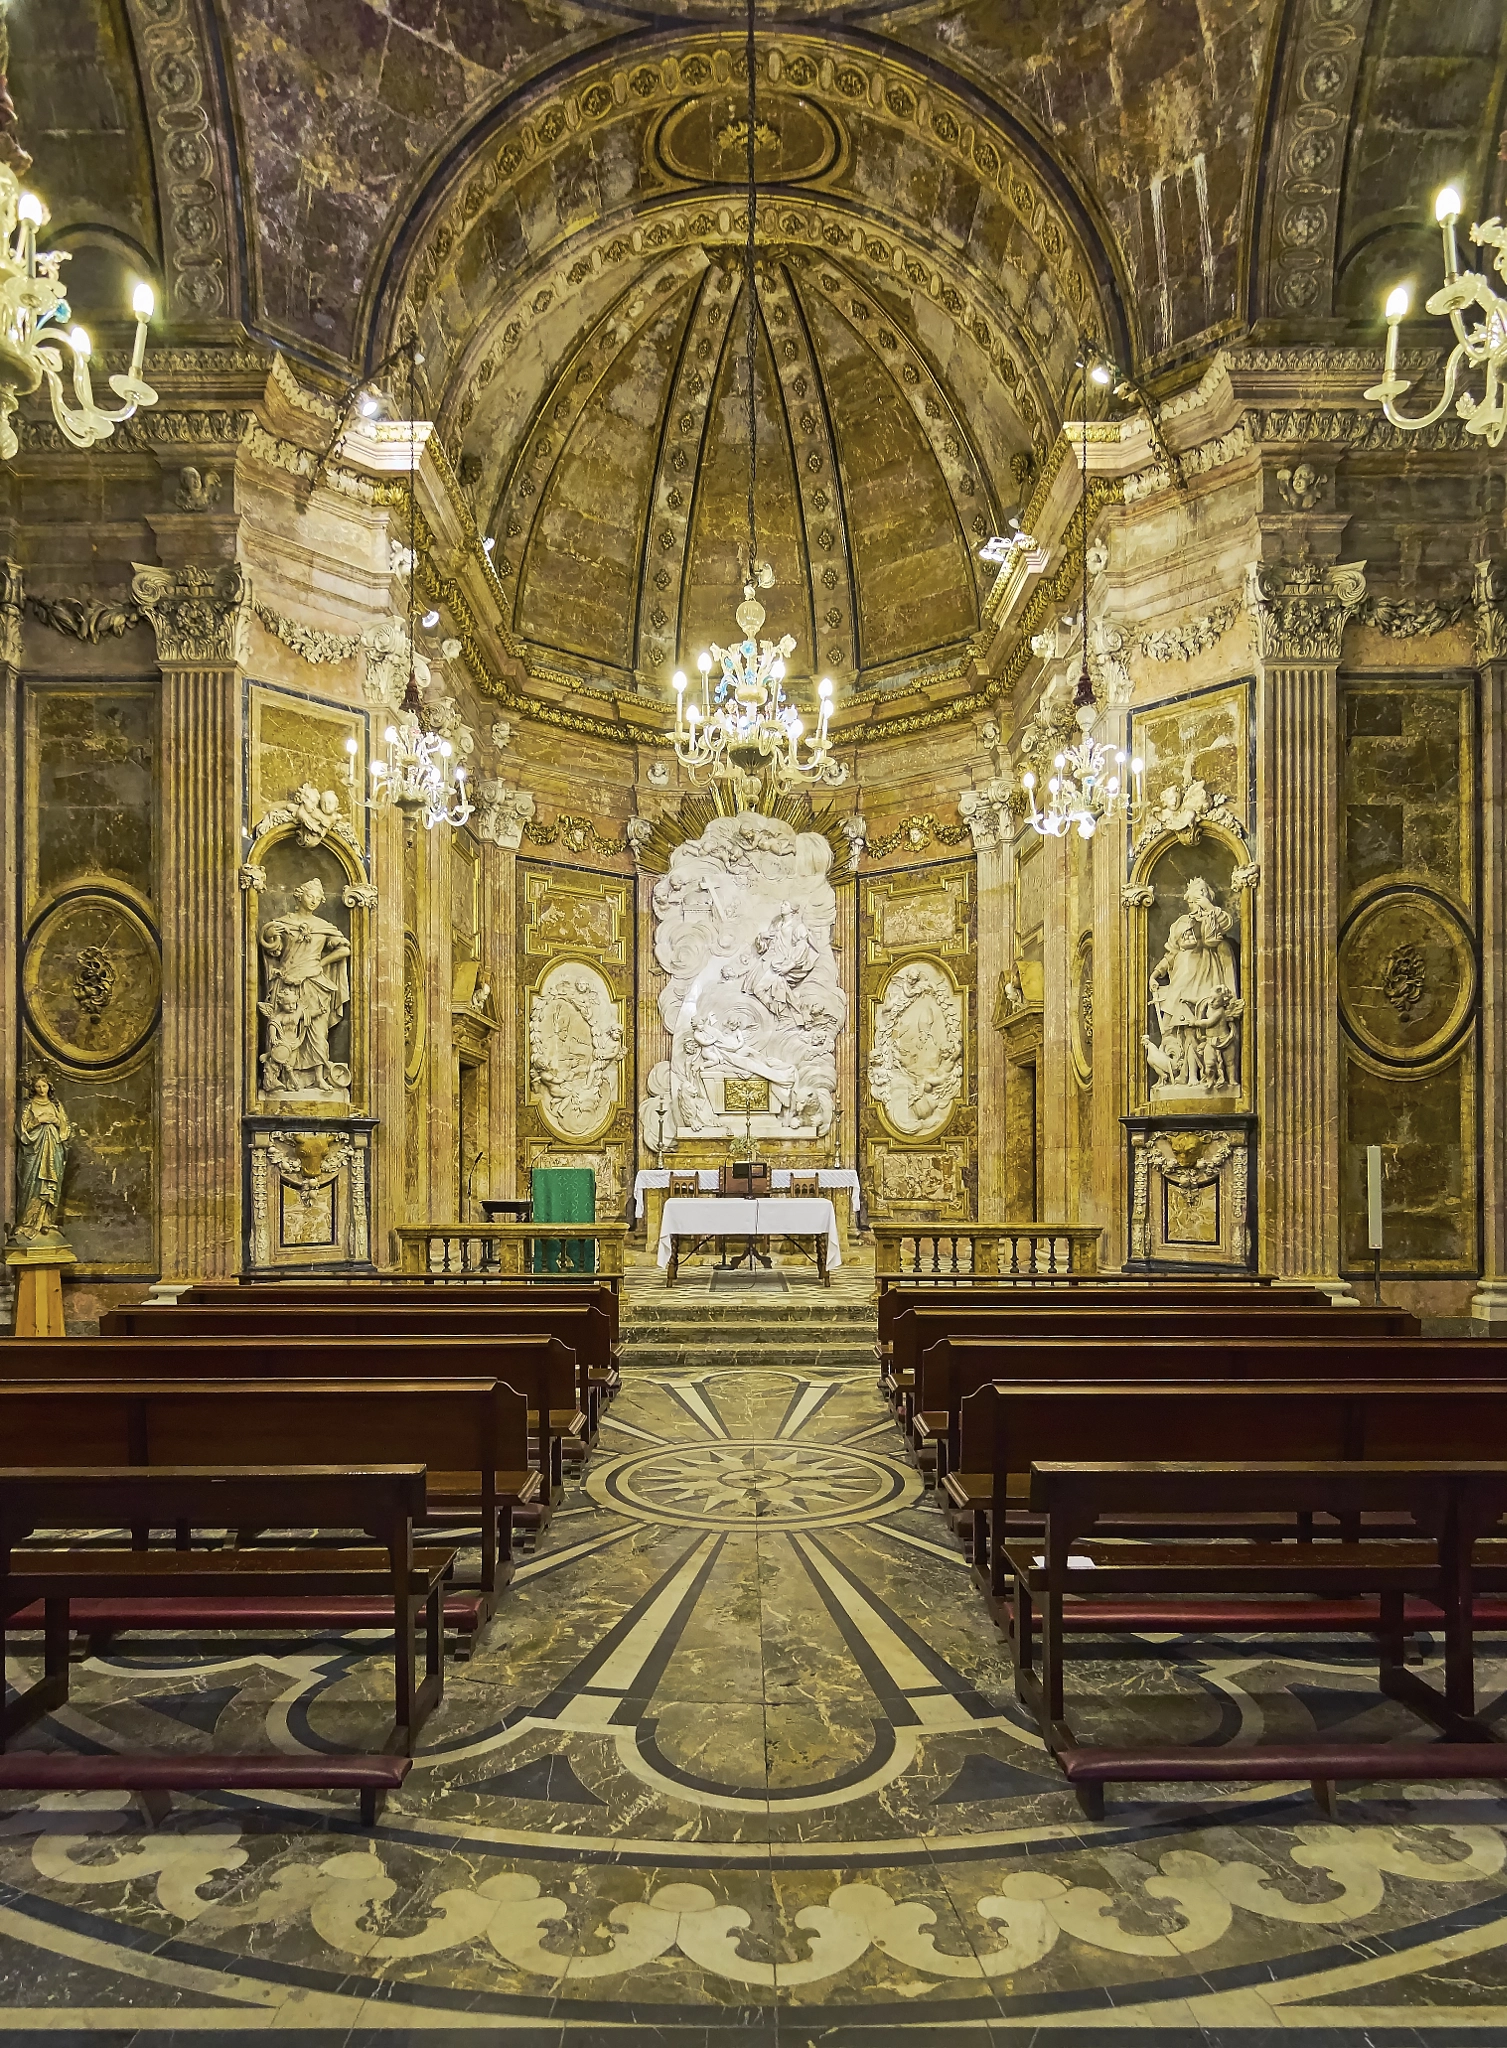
(92, 980)
(1407, 977)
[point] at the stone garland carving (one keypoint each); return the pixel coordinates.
(1182, 643)
(743, 930)
(306, 965)
(83, 618)
(576, 833)
(1208, 455)
(917, 833)
(384, 649)
(200, 616)
(1195, 992)
(916, 1057)
(1410, 618)
(1300, 609)
(310, 643)
(576, 1046)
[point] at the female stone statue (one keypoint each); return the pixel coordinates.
(42, 1137)
(306, 959)
(1195, 990)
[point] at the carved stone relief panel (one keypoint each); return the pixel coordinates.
(916, 1066)
(577, 1049)
(310, 1195)
(743, 936)
(1407, 977)
(1190, 1192)
(918, 973)
(92, 979)
(575, 1053)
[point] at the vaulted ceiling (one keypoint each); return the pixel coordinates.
(954, 191)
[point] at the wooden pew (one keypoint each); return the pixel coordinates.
(1007, 1429)
(470, 1434)
(954, 1368)
(537, 1290)
(1095, 1290)
(265, 1588)
(582, 1327)
(1448, 1507)
(540, 1368)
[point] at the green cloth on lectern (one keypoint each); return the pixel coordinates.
(564, 1194)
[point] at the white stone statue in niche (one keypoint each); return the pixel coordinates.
(575, 1044)
(916, 1059)
(744, 931)
(1195, 991)
(306, 965)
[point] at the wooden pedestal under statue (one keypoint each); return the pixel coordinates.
(37, 1275)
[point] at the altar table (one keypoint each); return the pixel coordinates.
(838, 1183)
(724, 1216)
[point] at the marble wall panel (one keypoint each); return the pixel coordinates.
(294, 739)
(1203, 737)
(109, 1209)
(90, 754)
(1409, 970)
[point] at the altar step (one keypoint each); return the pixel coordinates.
(681, 1329)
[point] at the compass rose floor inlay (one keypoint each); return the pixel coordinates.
(740, 1753)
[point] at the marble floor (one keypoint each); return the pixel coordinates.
(740, 1755)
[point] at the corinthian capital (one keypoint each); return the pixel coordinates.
(988, 815)
(1489, 597)
(1299, 609)
(200, 616)
(502, 813)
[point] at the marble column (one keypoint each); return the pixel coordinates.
(10, 868)
(501, 817)
(200, 618)
(1298, 611)
(1489, 1304)
(989, 821)
(440, 1134)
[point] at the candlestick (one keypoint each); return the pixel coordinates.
(1373, 1197)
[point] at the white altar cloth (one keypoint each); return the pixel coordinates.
(730, 1216)
(659, 1177)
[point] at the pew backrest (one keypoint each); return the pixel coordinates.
(594, 1292)
(1096, 1291)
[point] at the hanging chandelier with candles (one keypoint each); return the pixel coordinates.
(419, 776)
(744, 726)
(1481, 347)
(38, 342)
(1090, 783)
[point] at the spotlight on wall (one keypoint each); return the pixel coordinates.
(429, 621)
(489, 543)
(369, 405)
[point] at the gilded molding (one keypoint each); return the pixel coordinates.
(1299, 610)
(576, 833)
(200, 616)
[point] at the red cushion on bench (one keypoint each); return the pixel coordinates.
(1304, 1761)
(31, 1770)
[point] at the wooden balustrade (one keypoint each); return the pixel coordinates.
(954, 1253)
(481, 1251)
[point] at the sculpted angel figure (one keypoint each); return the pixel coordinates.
(42, 1135)
(307, 965)
(1195, 991)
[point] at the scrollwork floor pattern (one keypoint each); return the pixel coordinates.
(740, 1754)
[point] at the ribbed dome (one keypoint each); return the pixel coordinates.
(620, 516)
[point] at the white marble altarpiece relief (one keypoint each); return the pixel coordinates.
(743, 930)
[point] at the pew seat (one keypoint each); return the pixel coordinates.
(155, 1778)
(1089, 1770)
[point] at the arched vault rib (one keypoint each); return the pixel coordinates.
(682, 439)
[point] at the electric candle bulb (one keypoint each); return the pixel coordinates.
(1447, 206)
(79, 342)
(679, 681)
(350, 745)
(31, 210)
(1398, 303)
(824, 688)
(143, 302)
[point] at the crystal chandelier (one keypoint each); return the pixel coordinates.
(34, 311)
(1481, 346)
(745, 723)
(420, 776)
(1088, 784)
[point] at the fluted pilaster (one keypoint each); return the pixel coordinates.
(1490, 1302)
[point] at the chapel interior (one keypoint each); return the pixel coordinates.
(753, 1089)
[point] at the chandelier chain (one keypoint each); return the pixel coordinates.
(753, 315)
